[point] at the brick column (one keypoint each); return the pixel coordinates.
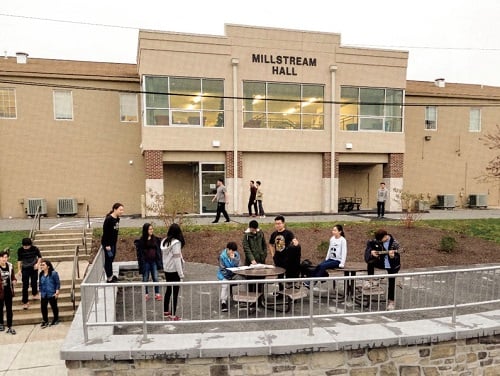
(153, 161)
(393, 178)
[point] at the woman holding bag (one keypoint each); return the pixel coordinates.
(173, 265)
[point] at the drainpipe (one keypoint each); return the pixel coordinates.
(235, 63)
(333, 188)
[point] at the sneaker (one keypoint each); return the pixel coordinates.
(36, 297)
(215, 221)
(263, 216)
(2, 328)
(54, 322)
(114, 279)
(25, 306)
(175, 318)
(146, 297)
(44, 324)
(11, 331)
(391, 306)
(167, 314)
(228, 220)
(158, 297)
(306, 285)
(223, 307)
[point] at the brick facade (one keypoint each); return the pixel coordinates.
(327, 165)
(153, 160)
(394, 169)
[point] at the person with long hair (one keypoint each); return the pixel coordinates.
(336, 255)
(110, 229)
(173, 265)
(149, 257)
(50, 285)
(7, 282)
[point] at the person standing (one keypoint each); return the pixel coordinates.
(252, 199)
(285, 249)
(228, 258)
(50, 285)
(259, 198)
(173, 265)
(28, 260)
(110, 229)
(382, 253)
(149, 257)
(7, 282)
(255, 248)
(381, 199)
(336, 255)
(222, 199)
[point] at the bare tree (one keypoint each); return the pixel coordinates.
(492, 141)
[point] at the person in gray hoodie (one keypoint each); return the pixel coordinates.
(255, 247)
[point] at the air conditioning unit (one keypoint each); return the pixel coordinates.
(31, 205)
(446, 201)
(67, 206)
(478, 200)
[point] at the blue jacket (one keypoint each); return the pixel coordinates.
(49, 284)
(225, 262)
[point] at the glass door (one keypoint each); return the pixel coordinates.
(210, 172)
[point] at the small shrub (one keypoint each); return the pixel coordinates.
(448, 244)
(322, 248)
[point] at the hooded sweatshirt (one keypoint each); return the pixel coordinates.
(254, 246)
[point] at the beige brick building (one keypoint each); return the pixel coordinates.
(312, 119)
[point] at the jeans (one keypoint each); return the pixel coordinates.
(380, 208)
(150, 268)
(221, 209)
(171, 277)
(252, 203)
(391, 280)
(109, 257)
(29, 277)
(45, 312)
(7, 301)
(261, 209)
(320, 270)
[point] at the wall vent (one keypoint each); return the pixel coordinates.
(478, 200)
(67, 206)
(31, 205)
(446, 201)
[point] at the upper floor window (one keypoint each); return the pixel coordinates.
(371, 109)
(128, 107)
(184, 101)
(63, 105)
(431, 118)
(475, 120)
(283, 106)
(7, 103)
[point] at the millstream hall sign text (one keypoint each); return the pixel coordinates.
(279, 60)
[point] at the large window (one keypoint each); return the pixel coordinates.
(283, 106)
(7, 103)
(475, 120)
(128, 107)
(431, 118)
(184, 101)
(63, 105)
(371, 109)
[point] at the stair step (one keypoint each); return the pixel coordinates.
(34, 306)
(33, 318)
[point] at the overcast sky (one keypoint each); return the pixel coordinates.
(458, 40)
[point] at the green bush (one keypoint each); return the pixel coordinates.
(448, 244)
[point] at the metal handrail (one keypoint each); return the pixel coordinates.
(36, 219)
(75, 274)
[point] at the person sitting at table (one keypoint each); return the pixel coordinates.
(336, 255)
(285, 249)
(228, 258)
(382, 253)
(255, 248)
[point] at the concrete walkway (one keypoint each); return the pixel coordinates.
(33, 350)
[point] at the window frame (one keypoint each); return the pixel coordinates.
(431, 120)
(56, 102)
(199, 113)
(274, 111)
(7, 105)
(477, 128)
(124, 115)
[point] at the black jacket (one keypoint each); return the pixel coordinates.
(375, 245)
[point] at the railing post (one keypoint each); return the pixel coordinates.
(311, 309)
(144, 314)
(455, 290)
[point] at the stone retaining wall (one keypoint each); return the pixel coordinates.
(474, 357)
